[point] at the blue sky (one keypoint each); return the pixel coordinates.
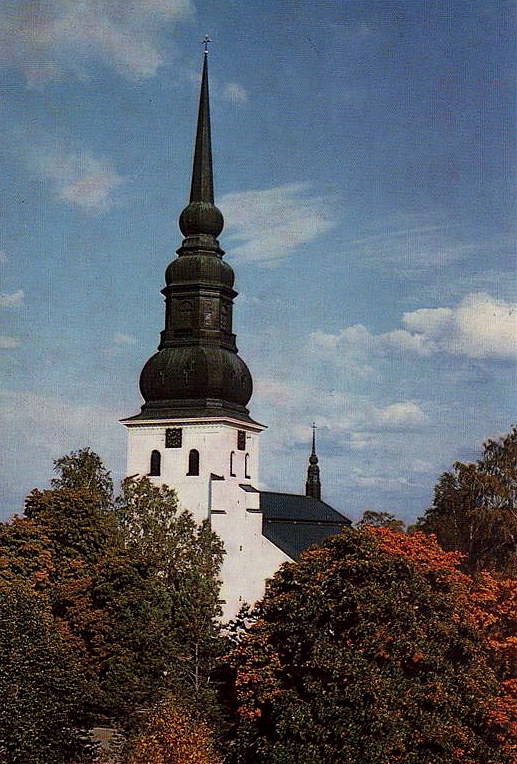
(363, 162)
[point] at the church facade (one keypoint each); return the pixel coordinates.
(194, 432)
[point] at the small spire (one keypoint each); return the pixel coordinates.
(313, 484)
(202, 188)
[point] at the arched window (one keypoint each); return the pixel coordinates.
(247, 466)
(156, 460)
(232, 464)
(193, 462)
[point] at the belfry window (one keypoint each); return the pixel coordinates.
(247, 466)
(193, 462)
(232, 464)
(156, 461)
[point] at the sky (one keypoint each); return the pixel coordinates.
(364, 166)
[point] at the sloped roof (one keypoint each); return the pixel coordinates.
(294, 522)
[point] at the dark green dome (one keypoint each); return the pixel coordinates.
(176, 374)
(201, 218)
(199, 268)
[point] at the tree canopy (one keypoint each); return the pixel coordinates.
(475, 509)
(42, 708)
(366, 651)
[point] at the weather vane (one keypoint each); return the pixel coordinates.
(205, 43)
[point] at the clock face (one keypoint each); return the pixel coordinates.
(173, 437)
(241, 440)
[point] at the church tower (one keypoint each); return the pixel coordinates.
(194, 432)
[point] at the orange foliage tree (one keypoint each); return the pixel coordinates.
(370, 649)
(171, 735)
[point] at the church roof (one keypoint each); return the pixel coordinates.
(294, 522)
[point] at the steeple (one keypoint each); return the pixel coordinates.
(202, 186)
(313, 485)
(196, 371)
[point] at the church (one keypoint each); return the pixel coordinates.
(194, 432)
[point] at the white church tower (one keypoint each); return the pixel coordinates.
(194, 432)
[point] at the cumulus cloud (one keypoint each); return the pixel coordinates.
(480, 326)
(267, 225)
(12, 300)
(51, 37)
(6, 342)
(235, 93)
(80, 179)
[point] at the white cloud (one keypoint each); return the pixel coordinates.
(480, 326)
(50, 37)
(267, 225)
(6, 342)
(12, 300)
(235, 93)
(123, 340)
(3, 256)
(80, 179)
(37, 429)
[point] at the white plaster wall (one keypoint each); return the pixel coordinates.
(250, 558)
(214, 441)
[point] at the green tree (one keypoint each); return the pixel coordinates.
(475, 509)
(84, 470)
(187, 559)
(380, 520)
(42, 708)
(358, 653)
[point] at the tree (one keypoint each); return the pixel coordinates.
(380, 520)
(84, 470)
(187, 559)
(172, 735)
(42, 706)
(364, 652)
(475, 509)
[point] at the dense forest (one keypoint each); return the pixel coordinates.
(382, 645)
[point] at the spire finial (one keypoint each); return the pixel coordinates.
(205, 43)
(314, 438)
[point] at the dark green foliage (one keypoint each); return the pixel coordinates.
(475, 509)
(357, 655)
(41, 709)
(380, 520)
(186, 559)
(83, 470)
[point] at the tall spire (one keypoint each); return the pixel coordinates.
(313, 484)
(202, 188)
(197, 371)
(201, 221)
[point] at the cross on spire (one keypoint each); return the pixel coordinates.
(205, 43)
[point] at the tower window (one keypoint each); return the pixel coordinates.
(173, 437)
(247, 466)
(193, 462)
(156, 461)
(241, 440)
(232, 464)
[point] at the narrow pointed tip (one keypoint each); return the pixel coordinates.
(202, 187)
